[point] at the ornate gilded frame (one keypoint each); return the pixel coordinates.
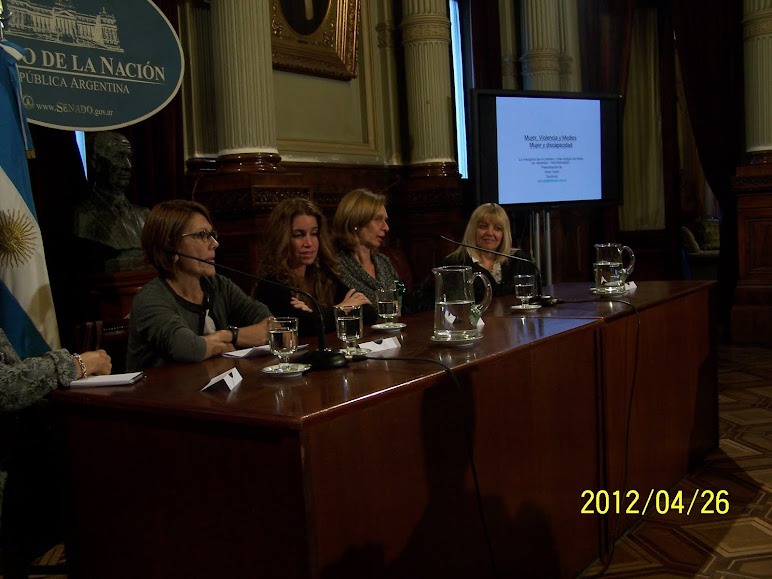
(329, 51)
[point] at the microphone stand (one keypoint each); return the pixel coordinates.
(318, 359)
(539, 296)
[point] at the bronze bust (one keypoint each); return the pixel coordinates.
(106, 217)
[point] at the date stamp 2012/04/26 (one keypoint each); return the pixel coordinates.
(704, 502)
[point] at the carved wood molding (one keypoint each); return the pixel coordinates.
(249, 163)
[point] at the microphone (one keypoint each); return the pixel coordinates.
(318, 359)
(544, 300)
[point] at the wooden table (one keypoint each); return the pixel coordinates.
(658, 377)
(364, 471)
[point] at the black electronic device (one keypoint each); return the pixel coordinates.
(540, 150)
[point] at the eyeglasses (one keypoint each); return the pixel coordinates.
(203, 235)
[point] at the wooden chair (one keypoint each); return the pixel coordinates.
(112, 336)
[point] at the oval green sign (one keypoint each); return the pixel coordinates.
(94, 64)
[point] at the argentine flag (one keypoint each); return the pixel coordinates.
(26, 307)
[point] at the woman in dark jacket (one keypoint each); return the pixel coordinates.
(298, 254)
(489, 228)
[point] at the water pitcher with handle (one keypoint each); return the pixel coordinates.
(456, 315)
(610, 271)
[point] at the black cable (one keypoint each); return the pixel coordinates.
(607, 563)
(469, 445)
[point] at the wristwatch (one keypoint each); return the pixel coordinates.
(235, 331)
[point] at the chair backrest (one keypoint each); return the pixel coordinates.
(401, 265)
(110, 335)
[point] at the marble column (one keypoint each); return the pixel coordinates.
(751, 314)
(757, 57)
(387, 44)
(198, 85)
(508, 34)
(426, 38)
(541, 44)
(570, 74)
(243, 71)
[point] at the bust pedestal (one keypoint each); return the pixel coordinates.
(112, 293)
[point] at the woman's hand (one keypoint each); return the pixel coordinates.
(354, 298)
(97, 363)
(300, 305)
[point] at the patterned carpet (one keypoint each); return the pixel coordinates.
(737, 544)
(718, 546)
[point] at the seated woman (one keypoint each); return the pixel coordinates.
(488, 228)
(360, 225)
(300, 256)
(188, 313)
(30, 522)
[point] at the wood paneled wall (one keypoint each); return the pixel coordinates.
(751, 316)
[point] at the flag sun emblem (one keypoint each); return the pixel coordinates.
(17, 238)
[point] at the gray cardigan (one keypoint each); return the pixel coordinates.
(165, 328)
(353, 275)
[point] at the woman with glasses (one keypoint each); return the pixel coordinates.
(301, 256)
(189, 312)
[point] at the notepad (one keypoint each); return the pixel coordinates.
(108, 380)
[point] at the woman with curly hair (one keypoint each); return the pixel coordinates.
(298, 254)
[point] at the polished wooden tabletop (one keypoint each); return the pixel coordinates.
(576, 299)
(291, 402)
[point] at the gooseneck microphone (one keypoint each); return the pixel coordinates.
(318, 359)
(528, 261)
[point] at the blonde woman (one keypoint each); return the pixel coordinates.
(489, 228)
(361, 225)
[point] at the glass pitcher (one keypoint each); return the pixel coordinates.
(610, 271)
(456, 315)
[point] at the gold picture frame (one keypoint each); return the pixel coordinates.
(317, 37)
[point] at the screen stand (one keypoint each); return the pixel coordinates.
(542, 239)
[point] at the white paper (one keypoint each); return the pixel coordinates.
(248, 352)
(256, 351)
(379, 345)
(230, 378)
(108, 380)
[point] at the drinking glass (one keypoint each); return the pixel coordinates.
(388, 307)
(348, 323)
(283, 341)
(524, 290)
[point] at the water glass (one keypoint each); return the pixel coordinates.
(525, 288)
(282, 340)
(388, 305)
(348, 324)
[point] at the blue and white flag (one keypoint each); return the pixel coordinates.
(26, 307)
